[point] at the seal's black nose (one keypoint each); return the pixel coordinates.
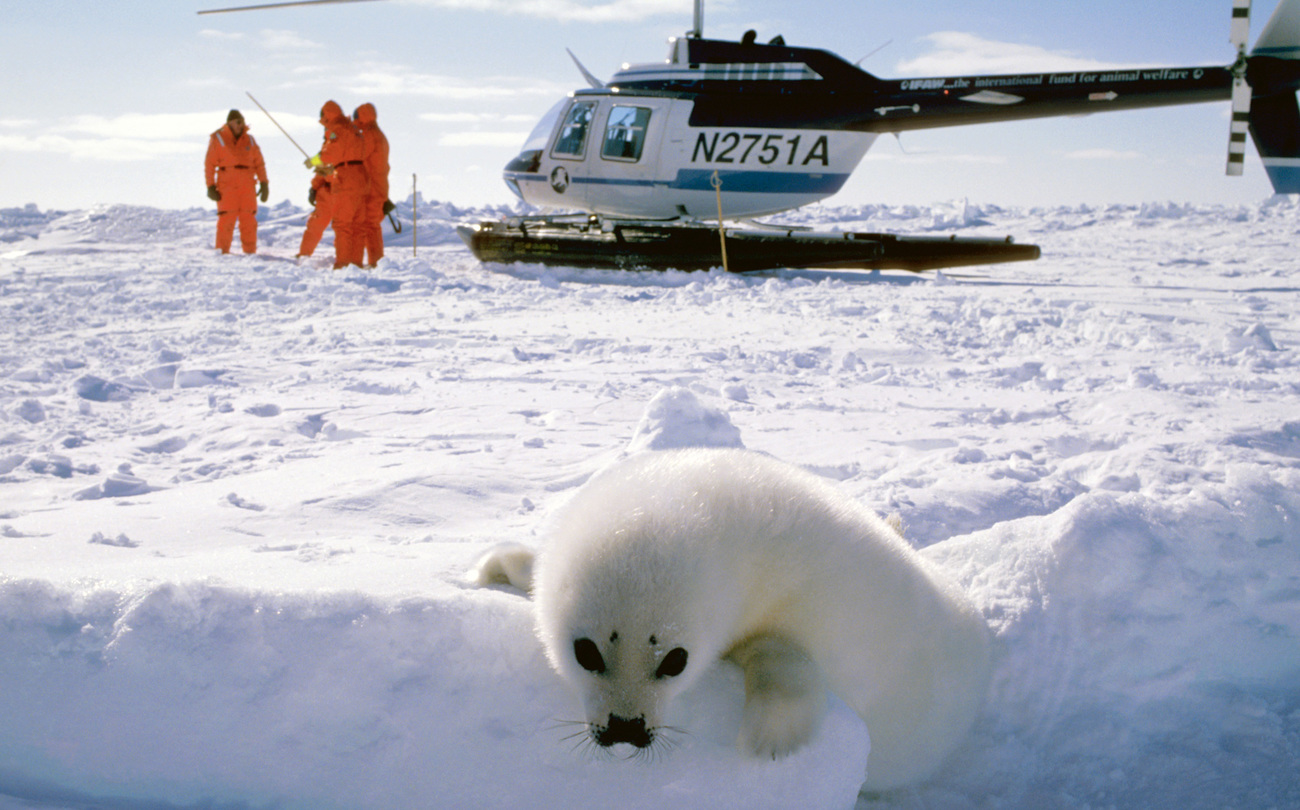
(622, 730)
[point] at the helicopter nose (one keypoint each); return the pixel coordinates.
(623, 730)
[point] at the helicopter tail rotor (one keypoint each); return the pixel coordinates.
(1239, 36)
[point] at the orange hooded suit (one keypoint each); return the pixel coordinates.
(231, 166)
(342, 152)
(375, 151)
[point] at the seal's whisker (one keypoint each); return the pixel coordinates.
(559, 723)
(577, 735)
(665, 741)
(580, 743)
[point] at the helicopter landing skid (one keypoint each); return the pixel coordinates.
(580, 241)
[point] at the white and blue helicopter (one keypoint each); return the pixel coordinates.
(726, 130)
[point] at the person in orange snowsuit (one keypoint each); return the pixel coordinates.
(233, 163)
(341, 157)
(375, 150)
(322, 198)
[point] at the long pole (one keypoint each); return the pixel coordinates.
(415, 217)
(716, 181)
(277, 124)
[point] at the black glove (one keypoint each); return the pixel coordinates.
(264, 192)
(388, 207)
(311, 196)
(213, 194)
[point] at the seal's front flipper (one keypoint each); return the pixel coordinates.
(505, 564)
(785, 696)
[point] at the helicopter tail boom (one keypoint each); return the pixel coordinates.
(927, 103)
(1262, 85)
(1273, 74)
(1275, 128)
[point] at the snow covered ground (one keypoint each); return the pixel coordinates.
(239, 497)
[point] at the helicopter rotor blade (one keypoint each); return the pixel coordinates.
(877, 49)
(280, 5)
(586, 74)
(1239, 36)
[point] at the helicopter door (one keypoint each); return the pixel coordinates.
(568, 155)
(622, 170)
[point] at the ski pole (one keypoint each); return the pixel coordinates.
(277, 124)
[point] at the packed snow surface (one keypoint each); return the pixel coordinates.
(239, 498)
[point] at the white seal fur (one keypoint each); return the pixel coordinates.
(670, 560)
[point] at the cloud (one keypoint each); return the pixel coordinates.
(212, 33)
(387, 80)
(116, 150)
(373, 79)
(286, 41)
(134, 137)
(145, 127)
(955, 53)
(167, 126)
(599, 11)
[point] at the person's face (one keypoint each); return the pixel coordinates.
(237, 126)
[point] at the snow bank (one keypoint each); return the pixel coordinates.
(192, 694)
(1151, 646)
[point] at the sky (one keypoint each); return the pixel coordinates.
(112, 102)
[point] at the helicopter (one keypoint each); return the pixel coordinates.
(733, 130)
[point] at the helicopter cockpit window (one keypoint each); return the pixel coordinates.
(572, 140)
(542, 132)
(625, 133)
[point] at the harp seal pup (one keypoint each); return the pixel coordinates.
(671, 560)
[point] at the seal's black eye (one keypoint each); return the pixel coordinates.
(673, 664)
(584, 649)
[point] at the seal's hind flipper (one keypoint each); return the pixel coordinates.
(505, 564)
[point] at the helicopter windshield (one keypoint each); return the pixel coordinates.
(542, 132)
